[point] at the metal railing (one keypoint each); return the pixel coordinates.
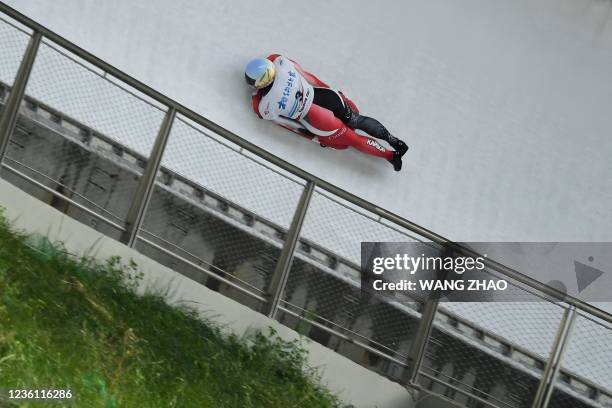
(294, 243)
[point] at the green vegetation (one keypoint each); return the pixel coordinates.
(78, 324)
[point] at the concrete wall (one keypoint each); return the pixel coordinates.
(353, 383)
(429, 400)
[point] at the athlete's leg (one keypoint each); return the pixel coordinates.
(333, 133)
(332, 100)
(349, 102)
(321, 121)
(376, 129)
(368, 146)
(342, 109)
(364, 144)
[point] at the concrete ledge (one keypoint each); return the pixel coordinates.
(429, 400)
(354, 384)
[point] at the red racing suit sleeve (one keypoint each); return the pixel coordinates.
(256, 98)
(311, 78)
(272, 57)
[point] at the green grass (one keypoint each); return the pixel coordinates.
(78, 324)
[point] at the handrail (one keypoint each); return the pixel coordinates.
(308, 177)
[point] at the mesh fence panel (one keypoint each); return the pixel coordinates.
(495, 351)
(585, 379)
(340, 227)
(13, 43)
(220, 210)
(82, 92)
(82, 135)
(218, 165)
(324, 284)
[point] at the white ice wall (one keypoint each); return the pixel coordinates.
(506, 105)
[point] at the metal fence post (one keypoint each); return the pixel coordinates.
(11, 109)
(145, 188)
(547, 384)
(416, 354)
(417, 350)
(281, 272)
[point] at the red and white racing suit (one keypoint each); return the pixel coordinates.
(291, 102)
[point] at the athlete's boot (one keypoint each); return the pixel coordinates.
(396, 161)
(398, 145)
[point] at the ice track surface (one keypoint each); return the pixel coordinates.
(505, 105)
